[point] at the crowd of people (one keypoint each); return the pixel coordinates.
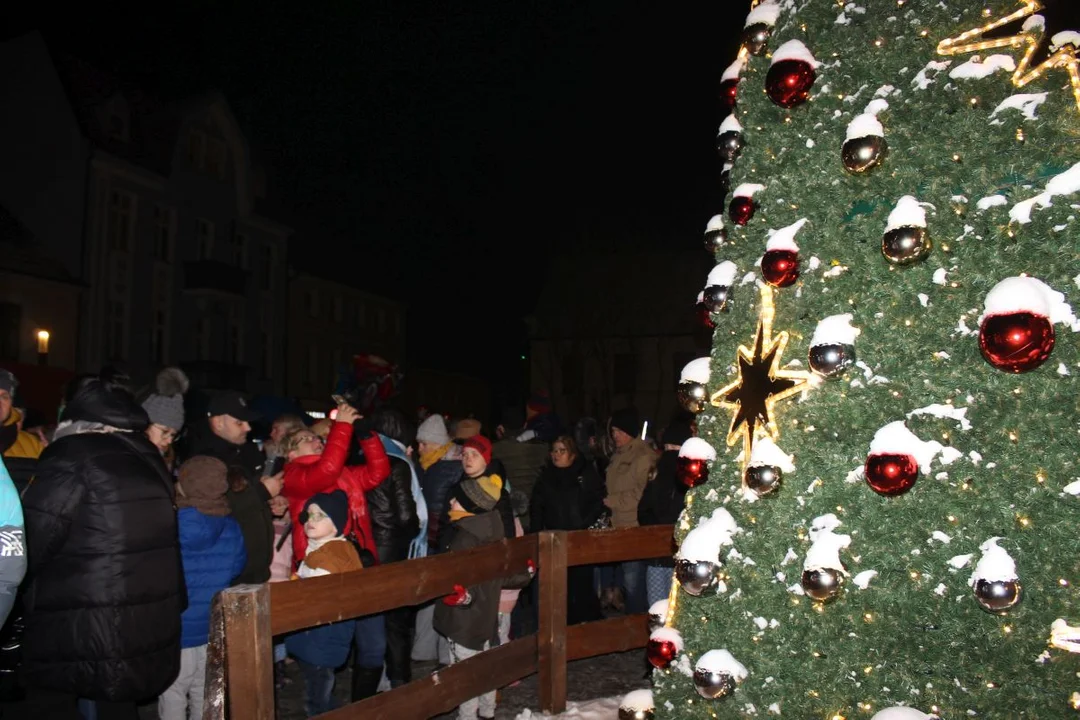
(134, 516)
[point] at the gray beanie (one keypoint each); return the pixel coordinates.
(433, 430)
(165, 405)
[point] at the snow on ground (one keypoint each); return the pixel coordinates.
(600, 709)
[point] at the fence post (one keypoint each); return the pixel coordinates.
(551, 642)
(249, 652)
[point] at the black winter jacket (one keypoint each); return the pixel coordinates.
(664, 496)
(566, 498)
(105, 584)
(392, 509)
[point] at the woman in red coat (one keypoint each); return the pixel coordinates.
(314, 467)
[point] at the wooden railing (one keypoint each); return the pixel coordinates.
(254, 614)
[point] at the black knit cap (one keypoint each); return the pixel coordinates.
(627, 420)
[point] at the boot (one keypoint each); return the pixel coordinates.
(365, 682)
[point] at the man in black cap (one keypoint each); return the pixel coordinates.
(224, 436)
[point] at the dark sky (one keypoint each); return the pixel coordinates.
(463, 143)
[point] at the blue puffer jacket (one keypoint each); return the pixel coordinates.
(326, 646)
(212, 549)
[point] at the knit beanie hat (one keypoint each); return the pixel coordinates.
(482, 445)
(472, 496)
(335, 505)
(466, 428)
(165, 405)
(433, 430)
(627, 421)
(202, 485)
(8, 381)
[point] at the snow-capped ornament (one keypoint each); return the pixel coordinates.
(1016, 330)
(994, 580)
(822, 584)
(892, 466)
(664, 646)
(637, 705)
(697, 577)
(780, 263)
(823, 572)
(658, 614)
(759, 26)
(718, 285)
(832, 347)
(900, 712)
(742, 206)
(791, 74)
(729, 84)
(697, 563)
(765, 470)
(693, 380)
(715, 234)
(704, 315)
(692, 465)
(864, 147)
(729, 139)
(906, 239)
(717, 674)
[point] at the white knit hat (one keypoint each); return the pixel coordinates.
(433, 430)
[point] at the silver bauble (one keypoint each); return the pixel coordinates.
(763, 479)
(729, 144)
(754, 37)
(698, 577)
(626, 713)
(997, 596)
(863, 153)
(822, 584)
(831, 359)
(717, 298)
(906, 245)
(713, 685)
(693, 397)
(714, 239)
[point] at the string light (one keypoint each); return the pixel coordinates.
(974, 40)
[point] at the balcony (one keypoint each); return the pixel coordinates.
(215, 276)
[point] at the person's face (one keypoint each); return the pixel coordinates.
(560, 455)
(319, 525)
(619, 437)
(230, 429)
(309, 444)
(426, 447)
(473, 462)
(162, 437)
(5, 406)
(278, 431)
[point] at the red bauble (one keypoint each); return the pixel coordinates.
(691, 471)
(741, 209)
(705, 318)
(788, 82)
(1016, 342)
(729, 90)
(891, 474)
(661, 653)
(780, 268)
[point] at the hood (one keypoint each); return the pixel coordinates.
(198, 531)
(97, 403)
(14, 417)
(485, 526)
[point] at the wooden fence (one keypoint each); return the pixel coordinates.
(254, 614)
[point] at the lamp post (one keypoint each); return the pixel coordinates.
(43, 347)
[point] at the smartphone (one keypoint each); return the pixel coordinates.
(339, 399)
(275, 466)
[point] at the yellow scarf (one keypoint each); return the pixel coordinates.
(456, 515)
(430, 458)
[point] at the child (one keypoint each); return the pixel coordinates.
(323, 649)
(212, 552)
(281, 570)
(467, 618)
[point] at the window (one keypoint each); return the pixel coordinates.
(361, 315)
(313, 303)
(10, 327)
(159, 327)
(625, 374)
(118, 126)
(313, 366)
(380, 320)
(120, 220)
(196, 149)
(269, 257)
(236, 335)
(572, 374)
(205, 239)
(339, 308)
(164, 231)
(202, 331)
(267, 367)
(116, 325)
(214, 158)
(238, 250)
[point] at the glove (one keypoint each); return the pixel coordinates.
(459, 597)
(531, 567)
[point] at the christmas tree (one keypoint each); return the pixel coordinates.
(883, 520)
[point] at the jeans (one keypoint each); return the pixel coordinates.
(318, 688)
(631, 576)
(657, 583)
(370, 640)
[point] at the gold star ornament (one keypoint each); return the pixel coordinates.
(760, 382)
(1064, 50)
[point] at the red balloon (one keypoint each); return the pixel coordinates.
(705, 318)
(1016, 342)
(741, 209)
(788, 82)
(729, 90)
(661, 653)
(780, 267)
(691, 471)
(891, 474)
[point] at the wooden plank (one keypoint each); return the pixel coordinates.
(617, 634)
(594, 547)
(551, 637)
(444, 690)
(315, 601)
(249, 652)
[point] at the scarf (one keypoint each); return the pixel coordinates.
(433, 456)
(456, 515)
(419, 546)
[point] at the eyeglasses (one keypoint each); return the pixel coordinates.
(313, 516)
(311, 438)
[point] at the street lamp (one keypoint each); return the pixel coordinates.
(43, 347)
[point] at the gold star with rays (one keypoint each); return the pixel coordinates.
(760, 383)
(1030, 38)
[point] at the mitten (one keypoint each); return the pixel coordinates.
(459, 597)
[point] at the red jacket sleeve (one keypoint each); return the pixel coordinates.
(376, 467)
(305, 480)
